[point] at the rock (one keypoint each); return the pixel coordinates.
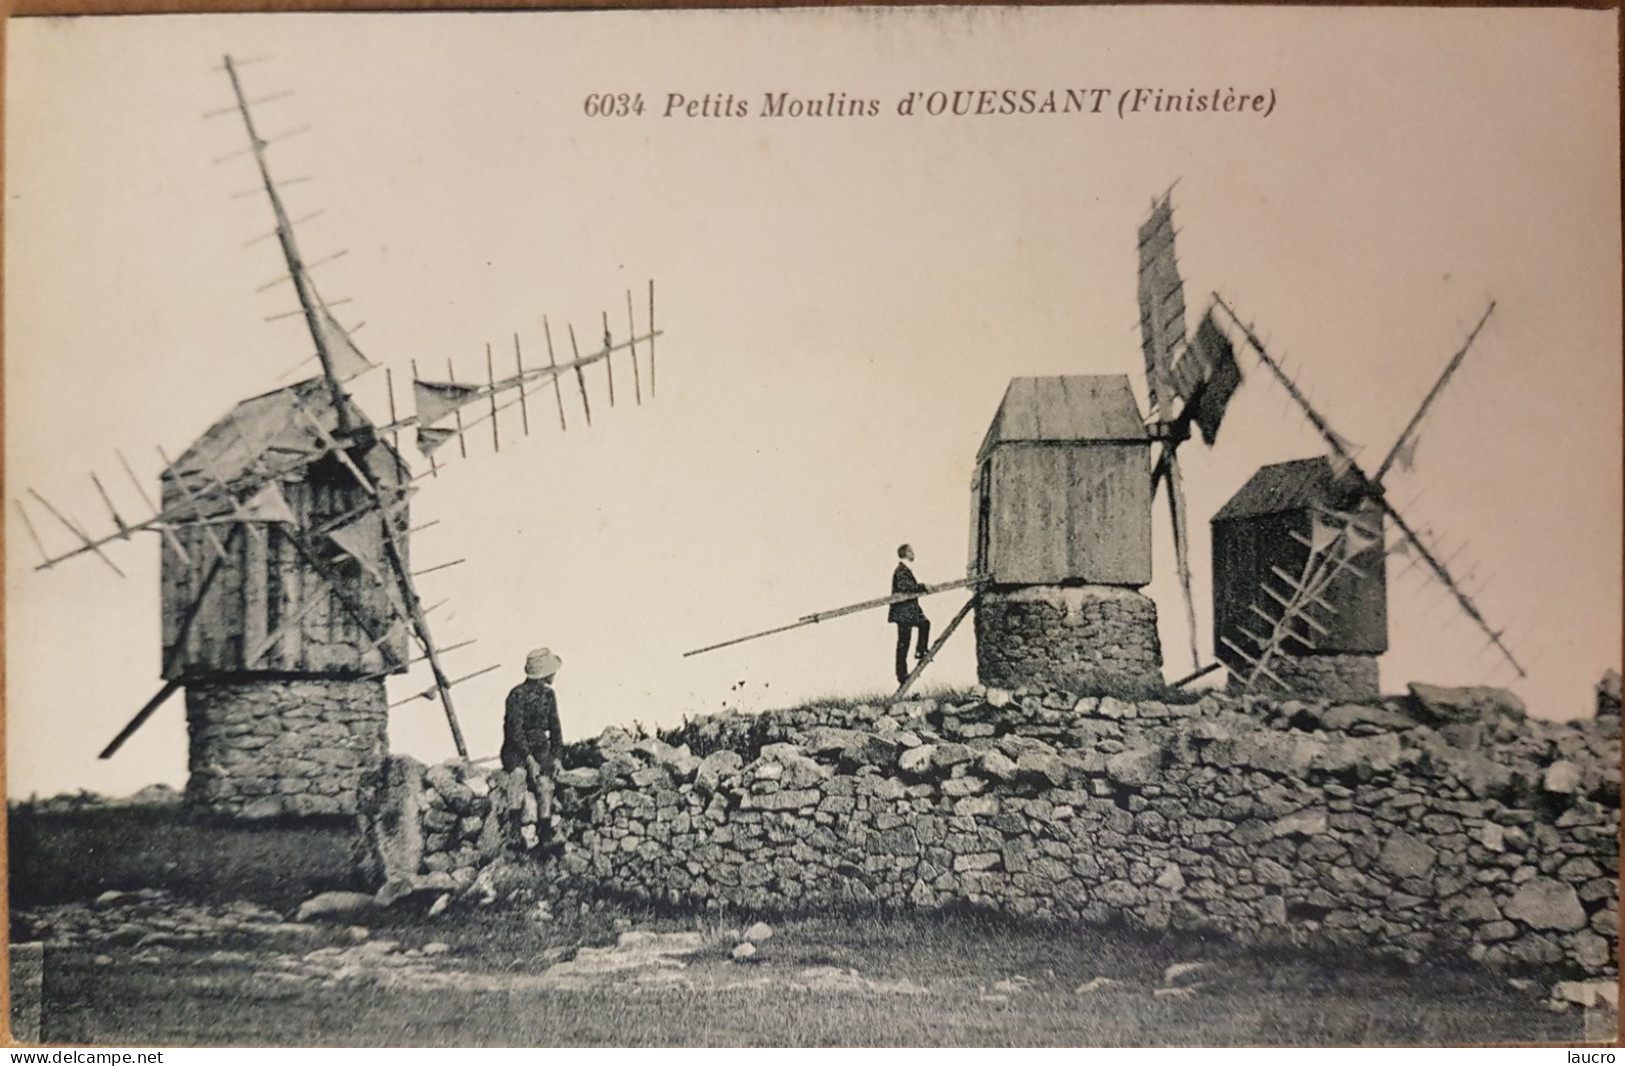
(1045, 770)
(708, 775)
(440, 904)
(1404, 856)
(997, 765)
(1608, 695)
(1492, 836)
(1306, 823)
(1590, 951)
(1346, 716)
(581, 777)
(1095, 984)
(1178, 973)
(743, 952)
(1474, 703)
(1135, 766)
(870, 749)
(824, 741)
(334, 906)
(108, 898)
(1541, 903)
(1111, 707)
(1586, 993)
(917, 760)
(1562, 778)
(997, 697)
(1171, 878)
(947, 756)
(759, 932)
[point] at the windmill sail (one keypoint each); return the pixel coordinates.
(1162, 305)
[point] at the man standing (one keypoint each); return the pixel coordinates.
(906, 614)
(532, 740)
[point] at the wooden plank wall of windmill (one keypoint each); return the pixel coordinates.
(1244, 550)
(266, 587)
(1068, 512)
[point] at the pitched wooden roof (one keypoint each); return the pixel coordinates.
(269, 426)
(1077, 407)
(1295, 485)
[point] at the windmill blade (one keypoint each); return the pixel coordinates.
(1405, 445)
(1162, 304)
(1439, 571)
(317, 318)
(429, 693)
(1176, 511)
(1341, 448)
(86, 543)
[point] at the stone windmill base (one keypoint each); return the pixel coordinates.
(1347, 678)
(1079, 637)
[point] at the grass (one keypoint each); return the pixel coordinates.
(54, 857)
(1245, 998)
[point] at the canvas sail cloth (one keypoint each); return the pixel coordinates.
(1162, 305)
(348, 362)
(1202, 373)
(437, 399)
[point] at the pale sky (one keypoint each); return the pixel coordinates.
(843, 301)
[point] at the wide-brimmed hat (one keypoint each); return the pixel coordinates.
(542, 664)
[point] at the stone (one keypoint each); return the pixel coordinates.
(871, 749)
(997, 765)
(759, 932)
(1405, 856)
(947, 756)
(1171, 878)
(956, 787)
(743, 952)
(917, 760)
(714, 767)
(1561, 778)
(581, 777)
(334, 906)
(1041, 769)
(1589, 950)
(1136, 766)
(1473, 703)
(1112, 707)
(1541, 903)
(1306, 823)
(1181, 973)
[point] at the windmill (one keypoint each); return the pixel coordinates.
(287, 591)
(1061, 502)
(1300, 553)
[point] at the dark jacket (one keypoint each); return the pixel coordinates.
(905, 612)
(530, 726)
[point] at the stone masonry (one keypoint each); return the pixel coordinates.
(1083, 638)
(271, 748)
(1331, 677)
(1328, 825)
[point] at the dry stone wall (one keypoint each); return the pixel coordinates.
(271, 748)
(1401, 828)
(1081, 638)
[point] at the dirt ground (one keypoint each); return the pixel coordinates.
(148, 968)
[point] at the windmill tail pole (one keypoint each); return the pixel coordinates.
(866, 605)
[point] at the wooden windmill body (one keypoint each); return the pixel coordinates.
(1285, 530)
